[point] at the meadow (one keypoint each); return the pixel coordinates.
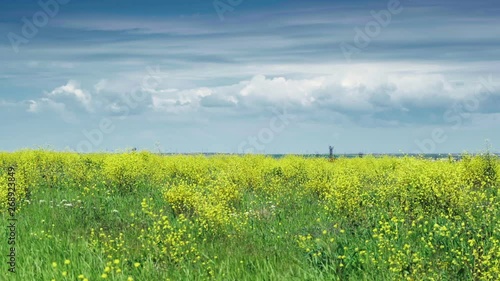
(141, 216)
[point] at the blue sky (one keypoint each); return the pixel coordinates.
(246, 76)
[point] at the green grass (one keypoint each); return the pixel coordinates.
(267, 250)
(291, 233)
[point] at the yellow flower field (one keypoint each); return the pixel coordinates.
(141, 216)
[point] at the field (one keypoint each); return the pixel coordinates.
(140, 216)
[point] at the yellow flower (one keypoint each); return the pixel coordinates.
(130, 279)
(104, 275)
(137, 264)
(64, 273)
(54, 264)
(67, 261)
(81, 276)
(116, 261)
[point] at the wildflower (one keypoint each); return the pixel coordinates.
(67, 261)
(54, 264)
(137, 264)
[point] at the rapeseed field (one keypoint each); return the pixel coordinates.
(141, 216)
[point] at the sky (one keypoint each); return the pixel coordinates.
(241, 76)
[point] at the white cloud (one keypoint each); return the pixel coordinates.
(64, 101)
(100, 85)
(280, 89)
(47, 105)
(175, 101)
(359, 92)
(72, 89)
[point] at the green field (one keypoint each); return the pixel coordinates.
(140, 216)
